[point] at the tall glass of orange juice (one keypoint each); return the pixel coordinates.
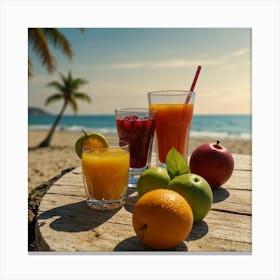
(173, 121)
(105, 173)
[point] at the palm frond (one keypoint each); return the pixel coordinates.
(76, 83)
(80, 82)
(39, 39)
(53, 98)
(40, 46)
(70, 84)
(68, 90)
(73, 104)
(82, 96)
(57, 85)
(59, 40)
(67, 81)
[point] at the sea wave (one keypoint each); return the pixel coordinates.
(221, 135)
(113, 130)
(74, 128)
(39, 127)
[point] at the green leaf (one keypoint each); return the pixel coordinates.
(176, 164)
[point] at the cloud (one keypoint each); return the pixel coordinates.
(174, 63)
(240, 52)
(183, 63)
(133, 65)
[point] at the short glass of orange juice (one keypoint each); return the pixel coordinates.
(173, 121)
(105, 173)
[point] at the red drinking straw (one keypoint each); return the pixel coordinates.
(193, 84)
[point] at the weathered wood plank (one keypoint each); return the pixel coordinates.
(240, 179)
(66, 223)
(231, 200)
(76, 227)
(61, 189)
(242, 162)
(71, 179)
(228, 198)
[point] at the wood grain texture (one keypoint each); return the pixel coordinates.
(66, 224)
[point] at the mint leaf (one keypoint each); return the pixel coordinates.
(176, 164)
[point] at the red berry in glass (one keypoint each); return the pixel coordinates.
(138, 132)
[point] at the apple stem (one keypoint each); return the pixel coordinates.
(84, 133)
(218, 142)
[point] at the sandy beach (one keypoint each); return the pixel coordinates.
(45, 163)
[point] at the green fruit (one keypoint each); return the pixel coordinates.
(196, 191)
(151, 179)
(92, 140)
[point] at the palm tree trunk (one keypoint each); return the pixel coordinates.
(47, 140)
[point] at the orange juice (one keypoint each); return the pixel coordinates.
(173, 123)
(106, 173)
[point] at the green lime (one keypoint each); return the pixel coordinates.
(151, 179)
(93, 139)
(196, 191)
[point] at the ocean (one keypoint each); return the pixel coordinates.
(210, 126)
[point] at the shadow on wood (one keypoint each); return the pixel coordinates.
(76, 217)
(132, 197)
(134, 244)
(220, 194)
(198, 231)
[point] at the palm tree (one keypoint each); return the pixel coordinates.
(68, 92)
(40, 39)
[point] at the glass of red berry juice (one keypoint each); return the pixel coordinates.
(137, 126)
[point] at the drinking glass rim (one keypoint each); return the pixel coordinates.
(170, 92)
(113, 146)
(133, 109)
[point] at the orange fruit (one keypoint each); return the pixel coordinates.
(162, 219)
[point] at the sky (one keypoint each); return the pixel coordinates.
(122, 65)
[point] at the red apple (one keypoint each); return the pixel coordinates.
(213, 162)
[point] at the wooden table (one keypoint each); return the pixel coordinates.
(66, 224)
